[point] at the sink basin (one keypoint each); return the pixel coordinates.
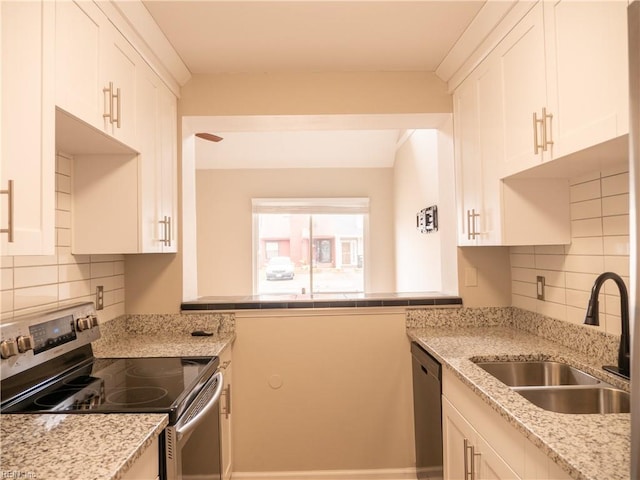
(578, 399)
(538, 373)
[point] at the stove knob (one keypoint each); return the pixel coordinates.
(83, 324)
(8, 348)
(94, 320)
(25, 343)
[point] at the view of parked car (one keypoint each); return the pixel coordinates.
(280, 268)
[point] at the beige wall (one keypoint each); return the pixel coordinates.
(421, 259)
(154, 282)
(346, 395)
(484, 277)
(599, 243)
(224, 220)
(44, 282)
(315, 93)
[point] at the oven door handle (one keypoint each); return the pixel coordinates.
(193, 422)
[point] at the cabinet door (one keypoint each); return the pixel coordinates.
(468, 162)
(489, 465)
(587, 72)
(28, 126)
(458, 436)
(118, 73)
(522, 58)
(168, 188)
(492, 137)
(225, 415)
(148, 132)
(77, 45)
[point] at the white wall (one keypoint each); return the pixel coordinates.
(35, 283)
(224, 220)
(420, 180)
(599, 243)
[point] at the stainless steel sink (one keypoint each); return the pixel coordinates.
(578, 399)
(537, 373)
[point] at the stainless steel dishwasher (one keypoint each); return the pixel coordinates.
(427, 413)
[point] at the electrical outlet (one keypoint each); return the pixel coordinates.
(540, 287)
(99, 297)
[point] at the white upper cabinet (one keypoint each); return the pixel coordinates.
(28, 122)
(522, 63)
(157, 132)
(168, 191)
(78, 58)
(118, 74)
(95, 70)
(492, 211)
(587, 73)
(565, 81)
(468, 161)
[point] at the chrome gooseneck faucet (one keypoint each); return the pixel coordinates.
(592, 319)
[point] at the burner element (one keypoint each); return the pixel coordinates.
(64, 398)
(147, 371)
(131, 396)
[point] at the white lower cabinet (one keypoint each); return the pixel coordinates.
(147, 467)
(225, 415)
(481, 445)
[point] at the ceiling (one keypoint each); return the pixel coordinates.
(303, 36)
(309, 36)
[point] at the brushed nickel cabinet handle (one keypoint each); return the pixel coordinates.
(109, 101)
(546, 141)
(472, 457)
(168, 231)
(536, 123)
(468, 224)
(9, 193)
(466, 459)
(118, 107)
(227, 401)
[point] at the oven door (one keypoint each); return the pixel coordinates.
(192, 445)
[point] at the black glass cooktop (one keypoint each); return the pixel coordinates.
(122, 385)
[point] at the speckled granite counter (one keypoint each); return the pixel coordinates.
(165, 335)
(588, 447)
(322, 300)
(50, 446)
(47, 446)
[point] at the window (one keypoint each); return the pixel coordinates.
(309, 245)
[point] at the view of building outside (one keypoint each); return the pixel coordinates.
(302, 253)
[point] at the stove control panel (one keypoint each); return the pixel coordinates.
(31, 340)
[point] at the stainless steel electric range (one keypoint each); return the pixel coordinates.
(48, 367)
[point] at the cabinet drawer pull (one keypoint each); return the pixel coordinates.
(546, 141)
(227, 401)
(9, 193)
(536, 145)
(466, 459)
(168, 231)
(118, 98)
(108, 102)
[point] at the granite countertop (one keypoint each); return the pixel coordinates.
(49, 445)
(54, 446)
(322, 300)
(588, 447)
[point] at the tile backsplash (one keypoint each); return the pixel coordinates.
(599, 243)
(33, 283)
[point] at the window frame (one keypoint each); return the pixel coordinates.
(310, 206)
